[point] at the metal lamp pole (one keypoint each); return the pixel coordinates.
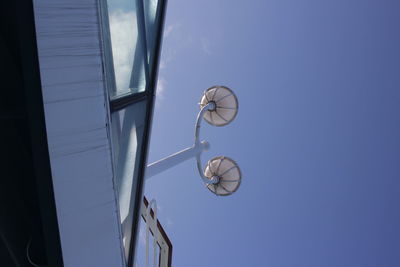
(194, 151)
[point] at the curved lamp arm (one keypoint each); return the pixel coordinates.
(209, 106)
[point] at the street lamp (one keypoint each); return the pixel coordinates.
(222, 176)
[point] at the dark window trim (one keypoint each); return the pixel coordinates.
(146, 138)
(124, 101)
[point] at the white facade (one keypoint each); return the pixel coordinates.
(76, 112)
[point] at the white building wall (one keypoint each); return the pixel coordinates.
(68, 36)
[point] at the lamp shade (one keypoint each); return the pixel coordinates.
(228, 173)
(226, 105)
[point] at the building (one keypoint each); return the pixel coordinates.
(79, 82)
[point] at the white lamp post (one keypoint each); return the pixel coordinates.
(222, 176)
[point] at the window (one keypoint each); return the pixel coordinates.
(128, 130)
(132, 32)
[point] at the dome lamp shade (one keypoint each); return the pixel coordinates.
(227, 173)
(225, 105)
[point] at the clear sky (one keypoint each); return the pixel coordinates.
(317, 135)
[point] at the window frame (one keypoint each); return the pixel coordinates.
(118, 103)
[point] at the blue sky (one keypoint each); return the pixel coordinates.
(316, 136)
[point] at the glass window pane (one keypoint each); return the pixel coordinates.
(133, 25)
(128, 129)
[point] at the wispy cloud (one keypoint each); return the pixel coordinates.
(170, 222)
(161, 84)
(171, 32)
(169, 29)
(205, 45)
(173, 43)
